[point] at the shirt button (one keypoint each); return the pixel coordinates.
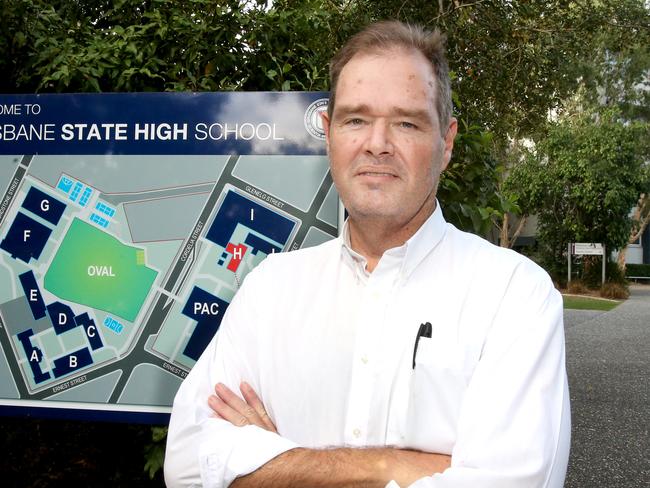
(356, 432)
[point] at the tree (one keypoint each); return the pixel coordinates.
(518, 205)
(582, 179)
(512, 60)
(620, 77)
(640, 220)
(468, 187)
(145, 45)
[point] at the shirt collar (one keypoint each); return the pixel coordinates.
(412, 251)
(355, 260)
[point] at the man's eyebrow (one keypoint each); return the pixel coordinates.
(352, 109)
(415, 113)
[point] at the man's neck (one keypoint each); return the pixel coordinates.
(372, 237)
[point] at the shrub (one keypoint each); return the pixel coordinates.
(637, 270)
(576, 287)
(614, 290)
(154, 452)
(592, 273)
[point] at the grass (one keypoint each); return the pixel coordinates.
(589, 303)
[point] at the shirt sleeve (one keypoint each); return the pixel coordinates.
(206, 451)
(514, 424)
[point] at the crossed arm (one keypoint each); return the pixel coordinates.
(321, 468)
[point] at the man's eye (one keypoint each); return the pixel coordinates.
(407, 125)
(355, 121)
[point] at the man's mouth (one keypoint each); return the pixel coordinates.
(376, 173)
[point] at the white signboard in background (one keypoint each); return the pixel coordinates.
(586, 249)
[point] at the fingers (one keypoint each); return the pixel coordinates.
(224, 411)
(254, 401)
(229, 406)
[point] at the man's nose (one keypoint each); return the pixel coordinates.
(379, 140)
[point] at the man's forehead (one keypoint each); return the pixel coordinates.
(392, 55)
(367, 81)
(399, 62)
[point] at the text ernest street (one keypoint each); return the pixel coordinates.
(64, 386)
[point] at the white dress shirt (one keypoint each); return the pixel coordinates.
(329, 349)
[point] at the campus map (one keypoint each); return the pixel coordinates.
(116, 270)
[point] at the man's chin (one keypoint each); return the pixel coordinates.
(373, 212)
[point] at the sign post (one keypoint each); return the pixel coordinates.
(568, 257)
(587, 249)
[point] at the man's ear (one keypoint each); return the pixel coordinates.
(449, 142)
(325, 118)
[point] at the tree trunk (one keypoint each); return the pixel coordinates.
(621, 259)
(504, 241)
(642, 226)
(642, 216)
(520, 227)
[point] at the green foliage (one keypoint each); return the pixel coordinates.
(614, 274)
(582, 179)
(587, 274)
(591, 270)
(154, 452)
(637, 270)
(513, 59)
(617, 74)
(468, 187)
(135, 45)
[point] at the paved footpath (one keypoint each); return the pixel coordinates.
(608, 363)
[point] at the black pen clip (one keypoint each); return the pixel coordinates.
(425, 330)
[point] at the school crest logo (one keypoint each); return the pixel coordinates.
(313, 121)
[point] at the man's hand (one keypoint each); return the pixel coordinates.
(321, 468)
(406, 466)
(349, 467)
(249, 411)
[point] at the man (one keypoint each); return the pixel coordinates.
(405, 352)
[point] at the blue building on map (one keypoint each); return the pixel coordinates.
(72, 362)
(33, 294)
(34, 356)
(61, 316)
(237, 209)
(45, 206)
(26, 238)
(208, 311)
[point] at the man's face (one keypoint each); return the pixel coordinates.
(384, 139)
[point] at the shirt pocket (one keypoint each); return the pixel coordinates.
(437, 387)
